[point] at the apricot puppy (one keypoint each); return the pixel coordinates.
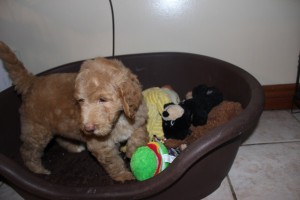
(101, 105)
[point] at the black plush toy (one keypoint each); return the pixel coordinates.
(177, 119)
(204, 98)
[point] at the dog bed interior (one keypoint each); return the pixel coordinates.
(194, 174)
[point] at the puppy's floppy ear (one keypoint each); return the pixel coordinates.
(131, 95)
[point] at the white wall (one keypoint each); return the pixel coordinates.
(261, 36)
(51, 33)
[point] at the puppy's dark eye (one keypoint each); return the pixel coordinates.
(80, 100)
(102, 100)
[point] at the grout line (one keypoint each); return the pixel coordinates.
(297, 118)
(294, 113)
(231, 188)
(279, 142)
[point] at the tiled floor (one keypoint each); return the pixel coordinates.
(267, 166)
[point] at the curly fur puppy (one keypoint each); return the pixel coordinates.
(102, 105)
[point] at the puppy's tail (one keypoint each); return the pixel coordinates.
(20, 77)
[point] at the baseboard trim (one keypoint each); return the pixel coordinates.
(278, 97)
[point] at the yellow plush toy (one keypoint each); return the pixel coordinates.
(156, 98)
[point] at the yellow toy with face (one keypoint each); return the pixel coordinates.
(156, 98)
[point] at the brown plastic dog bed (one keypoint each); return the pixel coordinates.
(194, 174)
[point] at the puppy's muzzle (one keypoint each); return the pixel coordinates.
(89, 127)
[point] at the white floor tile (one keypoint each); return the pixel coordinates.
(7, 193)
(275, 126)
(269, 171)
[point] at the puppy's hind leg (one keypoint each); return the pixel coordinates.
(35, 139)
(73, 147)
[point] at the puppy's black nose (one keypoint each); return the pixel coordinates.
(165, 114)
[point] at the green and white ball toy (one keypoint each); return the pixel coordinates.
(148, 161)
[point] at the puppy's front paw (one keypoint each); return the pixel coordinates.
(124, 176)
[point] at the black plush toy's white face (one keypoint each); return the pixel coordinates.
(176, 121)
(172, 112)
